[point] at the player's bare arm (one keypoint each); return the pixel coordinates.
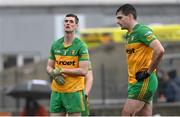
(82, 70)
(50, 65)
(158, 52)
(89, 82)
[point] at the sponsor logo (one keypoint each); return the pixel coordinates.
(130, 51)
(66, 62)
(148, 33)
(57, 51)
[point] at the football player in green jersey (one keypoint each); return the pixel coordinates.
(67, 65)
(144, 52)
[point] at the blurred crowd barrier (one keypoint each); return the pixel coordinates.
(95, 37)
(15, 76)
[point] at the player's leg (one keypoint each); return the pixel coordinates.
(148, 96)
(146, 110)
(74, 103)
(74, 114)
(56, 107)
(131, 107)
(139, 94)
(134, 103)
(58, 114)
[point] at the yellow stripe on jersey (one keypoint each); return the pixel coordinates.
(85, 56)
(143, 89)
(82, 100)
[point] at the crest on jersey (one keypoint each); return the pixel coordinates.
(150, 37)
(73, 52)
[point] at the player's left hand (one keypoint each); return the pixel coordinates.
(59, 80)
(141, 75)
(55, 72)
(86, 98)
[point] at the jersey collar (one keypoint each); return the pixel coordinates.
(66, 46)
(136, 26)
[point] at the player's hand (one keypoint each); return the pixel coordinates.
(141, 75)
(55, 72)
(59, 80)
(86, 98)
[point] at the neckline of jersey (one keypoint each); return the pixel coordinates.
(70, 44)
(136, 26)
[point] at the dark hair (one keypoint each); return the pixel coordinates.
(127, 9)
(75, 16)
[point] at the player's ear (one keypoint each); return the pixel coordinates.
(77, 26)
(131, 16)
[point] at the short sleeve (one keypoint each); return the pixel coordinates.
(51, 53)
(83, 53)
(147, 36)
(90, 66)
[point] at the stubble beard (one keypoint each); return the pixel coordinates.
(66, 31)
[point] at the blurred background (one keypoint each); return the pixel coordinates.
(28, 27)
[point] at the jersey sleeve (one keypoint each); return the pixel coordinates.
(147, 36)
(83, 53)
(51, 53)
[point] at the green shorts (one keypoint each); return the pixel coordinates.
(144, 90)
(86, 104)
(67, 102)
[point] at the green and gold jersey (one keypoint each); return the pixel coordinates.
(138, 52)
(69, 57)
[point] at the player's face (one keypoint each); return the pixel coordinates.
(122, 20)
(69, 24)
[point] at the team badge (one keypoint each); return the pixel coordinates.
(150, 37)
(73, 52)
(65, 52)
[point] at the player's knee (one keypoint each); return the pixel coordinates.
(126, 112)
(147, 113)
(144, 113)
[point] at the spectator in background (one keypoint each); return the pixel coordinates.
(173, 75)
(32, 108)
(167, 87)
(160, 91)
(176, 83)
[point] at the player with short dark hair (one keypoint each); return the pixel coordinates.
(67, 65)
(144, 52)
